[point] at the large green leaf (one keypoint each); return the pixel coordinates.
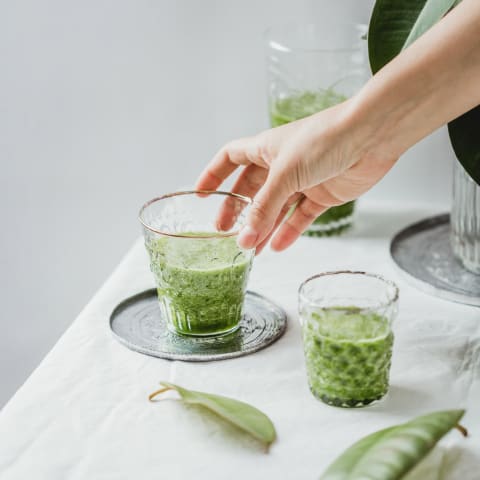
(394, 25)
(240, 414)
(389, 454)
(464, 134)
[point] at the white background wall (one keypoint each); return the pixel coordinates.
(104, 104)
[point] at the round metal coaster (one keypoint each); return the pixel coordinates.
(138, 324)
(423, 253)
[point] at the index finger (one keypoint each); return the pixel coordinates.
(238, 152)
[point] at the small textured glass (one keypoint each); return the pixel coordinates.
(347, 336)
(311, 67)
(200, 271)
(465, 219)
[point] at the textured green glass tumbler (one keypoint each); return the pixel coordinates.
(347, 336)
(200, 272)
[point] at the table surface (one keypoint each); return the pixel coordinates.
(84, 414)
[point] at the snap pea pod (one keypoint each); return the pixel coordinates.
(240, 414)
(391, 453)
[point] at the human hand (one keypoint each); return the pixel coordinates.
(317, 162)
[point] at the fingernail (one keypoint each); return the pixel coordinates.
(247, 237)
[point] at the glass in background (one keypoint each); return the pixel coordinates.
(311, 67)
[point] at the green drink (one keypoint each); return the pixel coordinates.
(200, 282)
(311, 67)
(294, 107)
(284, 110)
(200, 272)
(348, 356)
(347, 336)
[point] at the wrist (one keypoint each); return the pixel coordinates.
(427, 85)
(371, 133)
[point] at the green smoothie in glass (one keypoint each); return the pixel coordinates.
(347, 321)
(348, 355)
(294, 107)
(201, 282)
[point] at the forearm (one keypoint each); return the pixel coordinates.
(432, 82)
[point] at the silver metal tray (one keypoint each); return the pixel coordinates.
(137, 323)
(423, 253)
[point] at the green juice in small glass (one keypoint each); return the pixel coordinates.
(348, 355)
(288, 109)
(201, 282)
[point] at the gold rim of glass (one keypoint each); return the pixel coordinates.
(378, 305)
(242, 198)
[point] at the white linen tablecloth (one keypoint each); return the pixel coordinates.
(84, 414)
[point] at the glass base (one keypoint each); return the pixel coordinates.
(466, 251)
(335, 221)
(206, 321)
(347, 402)
(329, 229)
(171, 328)
(473, 267)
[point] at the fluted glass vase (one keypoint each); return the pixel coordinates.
(465, 219)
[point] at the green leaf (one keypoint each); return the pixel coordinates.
(395, 24)
(431, 13)
(464, 134)
(390, 453)
(240, 414)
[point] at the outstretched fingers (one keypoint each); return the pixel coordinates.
(283, 213)
(265, 209)
(239, 152)
(248, 184)
(305, 213)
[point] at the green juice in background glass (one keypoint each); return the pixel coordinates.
(312, 66)
(288, 109)
(294, 107)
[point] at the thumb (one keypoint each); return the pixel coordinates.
(266, 207)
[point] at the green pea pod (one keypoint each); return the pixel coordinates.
(389, 454)
(240, 414)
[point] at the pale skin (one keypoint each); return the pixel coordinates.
(338, 154)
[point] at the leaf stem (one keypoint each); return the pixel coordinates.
(462, 430)
(158, 392)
